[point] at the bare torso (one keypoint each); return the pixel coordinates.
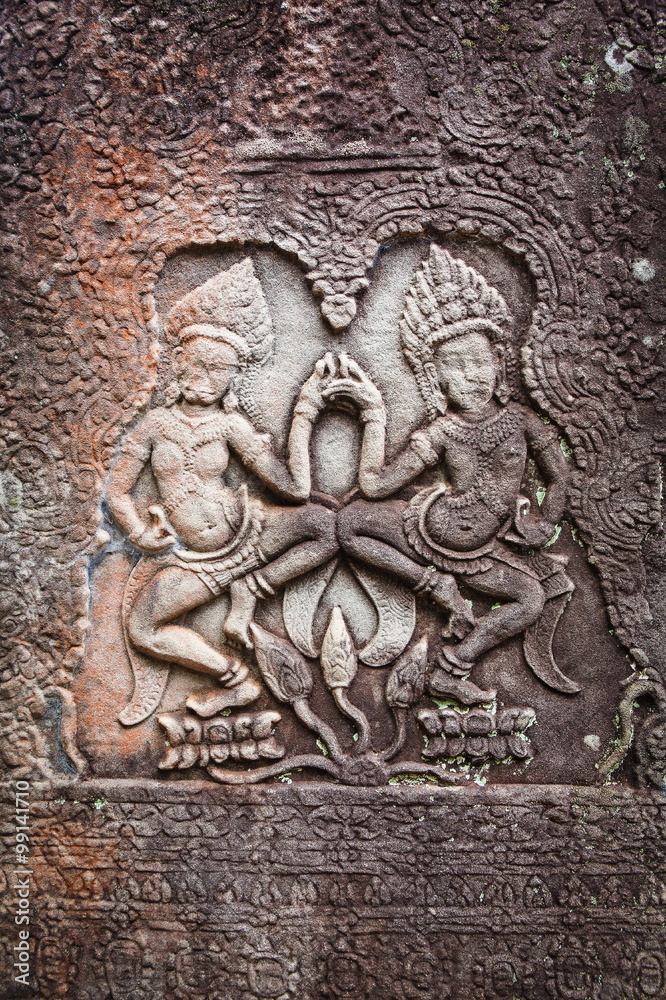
(484, 460)
(189, 459)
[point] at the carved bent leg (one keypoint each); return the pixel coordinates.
(526, 600)
(294, 540)
(170, 594)
(373, 533)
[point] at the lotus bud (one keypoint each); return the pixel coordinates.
(497, 747)
(514, 720)
(171, 759)
(430, 721)
(520, 746)
(455, 746)
(242, 728)
(218, 730)
(219, 753)
(477, 722)
(173, 726)
(286, 673)
(477, 746)
(338, 655)
(451, 722)
(248, 750)
(270, 748)
(436, 748)
(192, 729)
(262, 724)
(189, 756)
(406, 681)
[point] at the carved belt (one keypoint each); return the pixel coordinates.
(419, 537)
(241, 555)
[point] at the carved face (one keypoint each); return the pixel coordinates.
(204, 370)
(467, 368)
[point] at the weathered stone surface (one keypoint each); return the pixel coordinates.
(189, 891)
(332, 435)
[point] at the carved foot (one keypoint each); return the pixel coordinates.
(239, 619)
(211, 702)
(443, 591)
(443, 683)
(453, 664)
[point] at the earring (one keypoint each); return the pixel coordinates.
(502, 388)
(502, 393)
(172, 394)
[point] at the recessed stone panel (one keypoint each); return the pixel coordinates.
(332, 563)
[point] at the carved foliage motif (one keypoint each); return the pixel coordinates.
(283, 897)
(489, 162)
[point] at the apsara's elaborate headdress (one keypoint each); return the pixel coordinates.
(231, 308)
(446, 299)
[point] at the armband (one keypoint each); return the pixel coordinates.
(304, 408)
(422, 445)
(260, 444)
(374, 414)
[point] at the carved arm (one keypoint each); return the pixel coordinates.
(552, 464)
(123, 477)
(292, 480)
(379, 480)
(130, 464)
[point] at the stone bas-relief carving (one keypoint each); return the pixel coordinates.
(450, 315)
(281, 896)
(471, 531)
(150, 148)
(223, 536)
(481, 151)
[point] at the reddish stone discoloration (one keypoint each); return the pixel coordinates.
(142, 144)
(206, 887)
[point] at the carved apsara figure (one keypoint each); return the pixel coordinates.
(467, 527)
(205, 536)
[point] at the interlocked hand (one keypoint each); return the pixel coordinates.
(356, 385)
(311, 397)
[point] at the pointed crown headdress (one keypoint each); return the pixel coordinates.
(446, 299)
(231, 308)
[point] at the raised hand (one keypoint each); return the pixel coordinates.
(354, 384)
(311, 399)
